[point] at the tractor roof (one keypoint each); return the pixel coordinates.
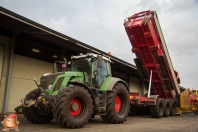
(91, 55)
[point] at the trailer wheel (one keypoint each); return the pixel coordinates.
(194, 108)
(117, 104)
(157, 110)
(72, 107)
(166, 108)
(172, 108)
(31, 113)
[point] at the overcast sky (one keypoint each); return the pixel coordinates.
(99, 23)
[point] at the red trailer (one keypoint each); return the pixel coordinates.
(153, 64)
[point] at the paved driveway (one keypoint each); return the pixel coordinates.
(185, 123)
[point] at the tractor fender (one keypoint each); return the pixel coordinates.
(113, 81)
(86, 87)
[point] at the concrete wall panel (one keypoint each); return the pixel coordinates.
(23, 70)
(134, 86)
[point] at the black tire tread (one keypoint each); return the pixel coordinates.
(166, 108)
(62, 114)
(154, 110)
(112, 116)
(172, 108)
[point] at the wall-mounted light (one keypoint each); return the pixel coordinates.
(54, 56)
(35, 50)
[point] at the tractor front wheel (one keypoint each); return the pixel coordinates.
(31, 113)
(117, 104)
(72, 107)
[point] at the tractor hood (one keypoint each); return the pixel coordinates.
(59, 80)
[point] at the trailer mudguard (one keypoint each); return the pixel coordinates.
(154, 97)
(109, 82)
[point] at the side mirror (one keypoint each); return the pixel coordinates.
(99, 61)
(95, 74)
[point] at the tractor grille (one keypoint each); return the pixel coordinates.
(47, 80)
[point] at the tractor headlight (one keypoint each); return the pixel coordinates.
(49, 87)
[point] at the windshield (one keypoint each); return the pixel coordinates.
(81, 65)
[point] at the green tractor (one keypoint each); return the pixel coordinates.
(74, 97)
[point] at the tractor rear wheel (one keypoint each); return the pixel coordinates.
(157, 110)
(31, 113)
(72, 107)
(118, 105)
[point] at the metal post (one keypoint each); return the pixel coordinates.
(9, 73)
(149, 90)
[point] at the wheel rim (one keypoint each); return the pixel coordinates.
(75, 107)
(117, 104)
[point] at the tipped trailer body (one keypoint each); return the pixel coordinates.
(154, 65)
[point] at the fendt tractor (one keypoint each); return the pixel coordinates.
(155, 68)
(74, 97)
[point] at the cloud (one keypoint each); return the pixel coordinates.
(100, 24)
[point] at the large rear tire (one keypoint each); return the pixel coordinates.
(117, 104)
(31, 113)
(72, 107)
(157, 110)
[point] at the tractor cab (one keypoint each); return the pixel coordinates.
(95, 68)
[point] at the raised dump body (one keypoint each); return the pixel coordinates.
(145, 35)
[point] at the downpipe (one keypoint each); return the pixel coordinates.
(149, 89)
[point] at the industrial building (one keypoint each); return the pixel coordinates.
(29, 49)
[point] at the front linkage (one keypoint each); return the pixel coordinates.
(37, 103)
